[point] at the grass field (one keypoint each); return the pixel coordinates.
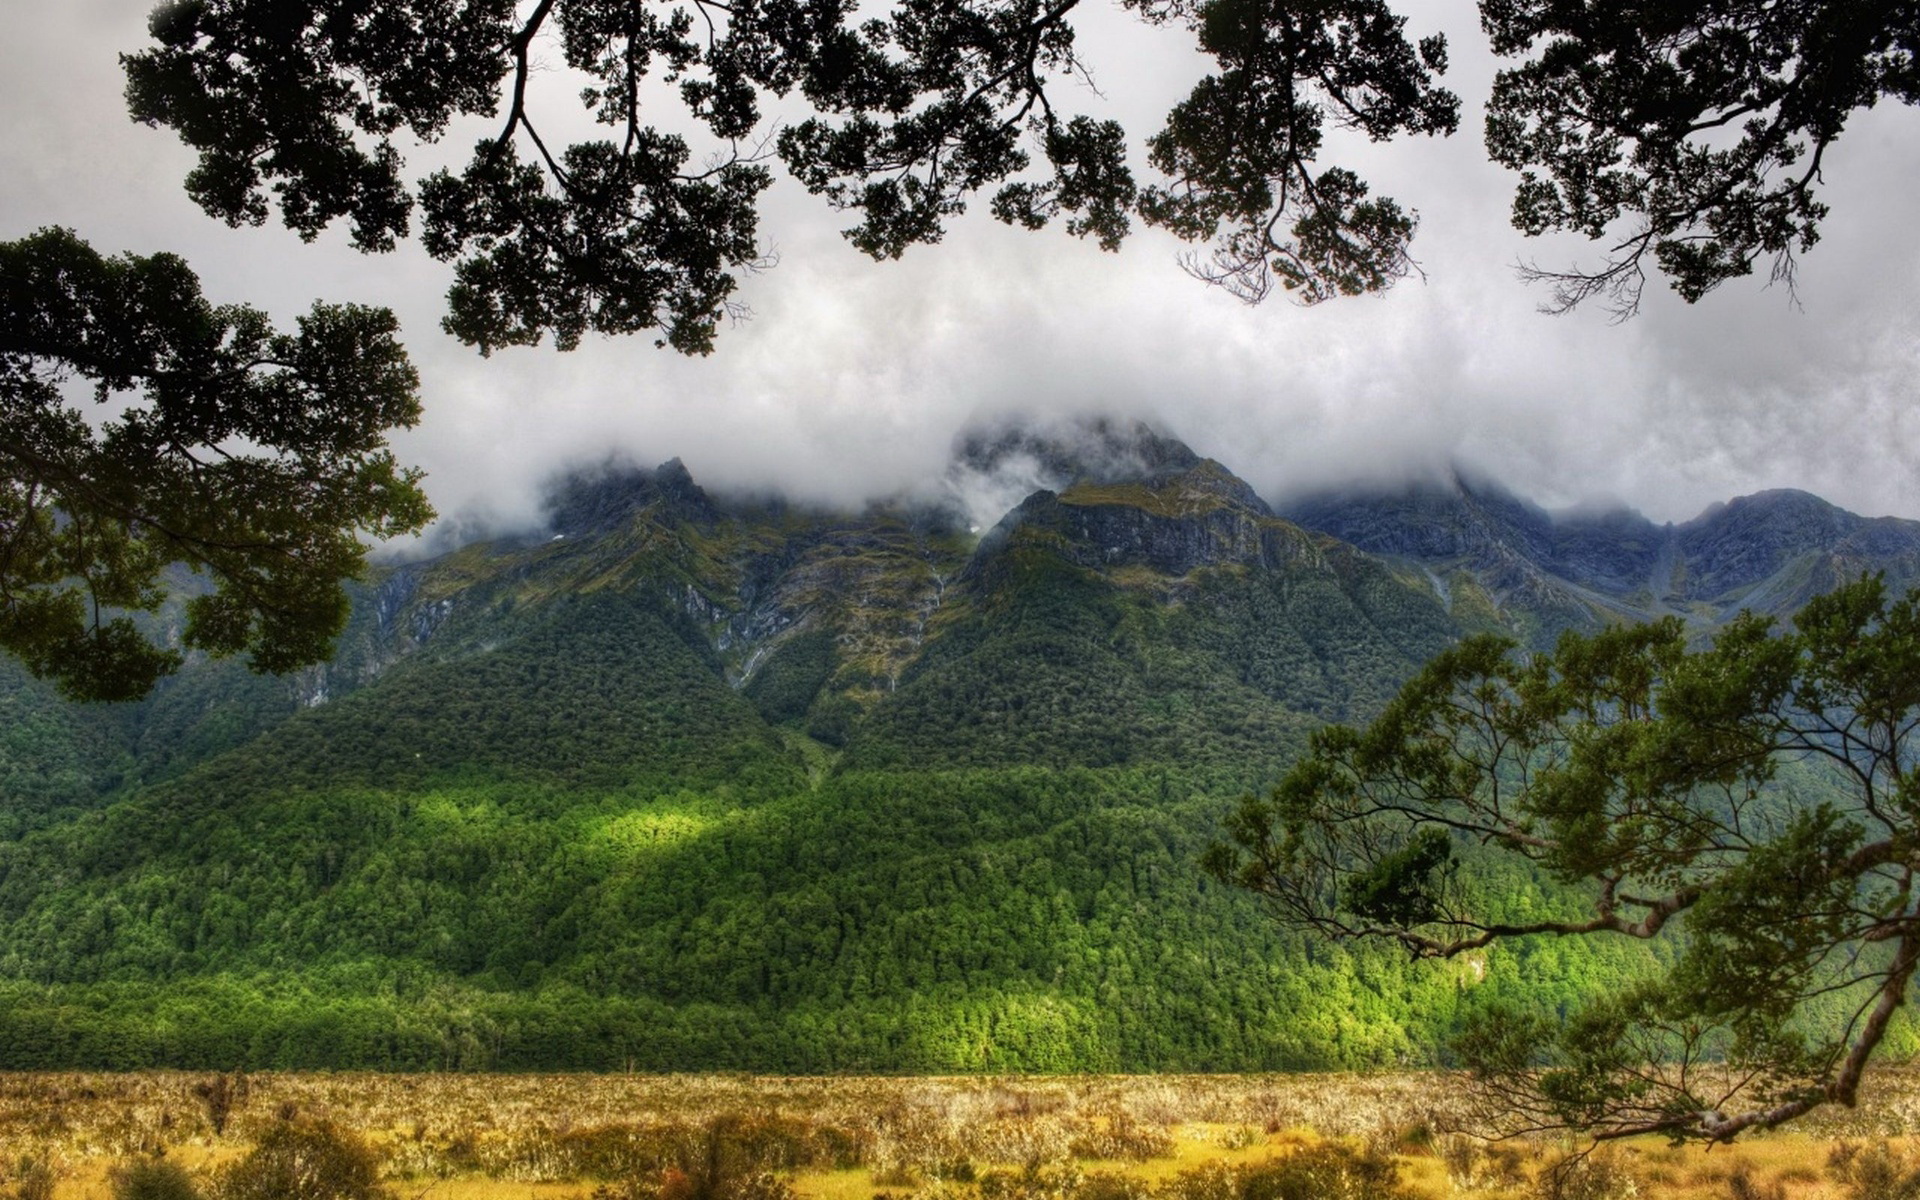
(480, 1137)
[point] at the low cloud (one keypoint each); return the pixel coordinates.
(853, 379)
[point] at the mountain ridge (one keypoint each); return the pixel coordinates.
(1769, 551)
(694, 781)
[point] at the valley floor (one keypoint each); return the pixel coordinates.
(711, 1137)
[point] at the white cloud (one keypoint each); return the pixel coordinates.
(853, 378)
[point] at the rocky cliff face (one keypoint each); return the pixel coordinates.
(1745, 544)
(825, 614)
(1171, 523)
(602, 499)
(1478, 524)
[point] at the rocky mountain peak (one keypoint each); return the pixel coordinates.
(1122, 495)
(1742, 542)
(995, 468)
(1777, 507)
(605, 497)
(1098, 450)
(1456, 515)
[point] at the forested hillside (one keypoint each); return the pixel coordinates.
(697, 782)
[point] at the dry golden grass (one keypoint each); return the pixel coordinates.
(559, 1137)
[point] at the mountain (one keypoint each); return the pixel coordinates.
(694, 781)
(1499, 560)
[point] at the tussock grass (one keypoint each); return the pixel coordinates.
(725, 1137)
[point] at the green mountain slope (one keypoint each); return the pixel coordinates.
(693, 783)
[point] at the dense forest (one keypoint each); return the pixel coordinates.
(690, 788)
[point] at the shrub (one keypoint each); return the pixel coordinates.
(1035, 1182)
(772, 1142)
(1240, 1137)
(1211, 1181)
(1105, 1185)
(152, 1179)
(305, 1161)
(615, 1152)
(1741, 1185)
(33, 1180)
(1123, 1137)
(726, 1160)
(1473, 1164)
(675, 1184)
(221, 1096)
(1591, 1176)
(1875, 1172)
(1325, 1171)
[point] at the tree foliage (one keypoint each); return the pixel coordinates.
(1619, 118)
(1760, 792)
(250, 455)
(1703, 127)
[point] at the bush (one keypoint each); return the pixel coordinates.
(152, 1179)
(1103, 1185)
(1474, 1164)
(307, 1161)
(1592, 1176)
(33, 1180)
(1326, 1171)
(221, 1096)
(1123, 1137)
(1876, 1172)
(675, 1184)
(1033, 1183)
(615, 1152)
(1741, 1185)
(1211, 1181)
(772, 1142)
(729, 1159)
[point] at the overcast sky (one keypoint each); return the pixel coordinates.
(852, 378)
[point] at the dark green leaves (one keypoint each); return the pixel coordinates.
(274, 95)
(631, 247)
(1090, 179)
(1690, 138)
(1241, 150)
(299, 106)
(1398, 889)
(253, 456)
(1691, 135)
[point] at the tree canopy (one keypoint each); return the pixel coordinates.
(251, 456)
(1685, 138)
(1754, 801)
